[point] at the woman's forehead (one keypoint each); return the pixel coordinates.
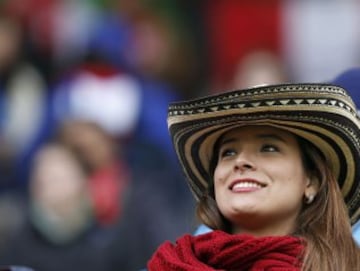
(258, 132)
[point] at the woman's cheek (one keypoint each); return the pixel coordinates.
(219, 175)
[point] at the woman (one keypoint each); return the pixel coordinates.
(275, 172)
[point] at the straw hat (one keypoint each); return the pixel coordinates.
(321, 113)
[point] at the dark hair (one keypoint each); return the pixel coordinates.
(207, 210)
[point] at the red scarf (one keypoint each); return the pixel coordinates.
(218, 250)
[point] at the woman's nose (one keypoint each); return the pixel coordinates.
(243, 162)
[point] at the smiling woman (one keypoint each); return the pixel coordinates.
(260, 180)
(275, 171)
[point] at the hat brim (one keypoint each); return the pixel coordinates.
(322, 114)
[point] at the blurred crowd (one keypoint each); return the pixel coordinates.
(88, 175)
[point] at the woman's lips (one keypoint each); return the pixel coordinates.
(245, 185)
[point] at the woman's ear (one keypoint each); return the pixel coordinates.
(311, 189)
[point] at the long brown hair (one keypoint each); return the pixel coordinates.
(324, 224)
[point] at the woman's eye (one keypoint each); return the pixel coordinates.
(227, 152)
(269, 148)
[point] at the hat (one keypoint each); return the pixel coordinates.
(323, 114)
(350, 80)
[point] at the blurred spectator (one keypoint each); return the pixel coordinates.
(258, 68)
(132, 180)
(86, 213)
(154, 40)
(60, 203)
(96, 129)
(157, 207)
(303, 34)
(134, 103)
(57, 234)
(109, 174)
(236, 28)
(96, 84)
(22, 105)
(156, 50)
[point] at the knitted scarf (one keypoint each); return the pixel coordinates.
(218, 250)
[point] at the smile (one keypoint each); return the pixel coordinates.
(245, 185)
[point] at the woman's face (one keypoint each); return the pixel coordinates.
(260, 180)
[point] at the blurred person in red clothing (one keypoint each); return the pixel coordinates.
(99, 108)
(109, 175)
(96, 108)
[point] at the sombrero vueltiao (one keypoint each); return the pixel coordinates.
(323, 114)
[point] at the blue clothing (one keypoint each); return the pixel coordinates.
(350, 81)
(202, 229)
(356, 232)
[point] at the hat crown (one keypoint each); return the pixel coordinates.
(268, 96)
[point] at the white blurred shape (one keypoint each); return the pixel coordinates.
(321, 38)
(112, 102)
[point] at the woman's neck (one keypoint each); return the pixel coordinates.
(269, 228)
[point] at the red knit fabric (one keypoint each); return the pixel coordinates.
(218, 250)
